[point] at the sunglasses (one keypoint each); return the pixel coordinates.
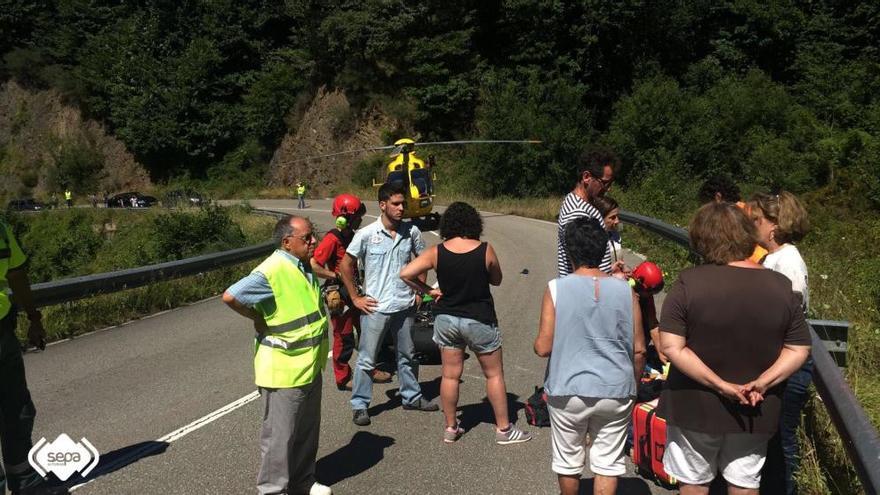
(306, 238)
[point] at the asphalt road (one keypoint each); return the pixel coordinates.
(169, 400)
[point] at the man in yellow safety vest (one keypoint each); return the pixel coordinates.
(301, 195)
(68, 197)
(283, 298)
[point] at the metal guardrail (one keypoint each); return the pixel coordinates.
(71, 289)
(860, 438)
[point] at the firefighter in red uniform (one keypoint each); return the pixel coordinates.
(348, 211)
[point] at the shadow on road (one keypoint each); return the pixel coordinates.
(430, 390)
(120, 458)
(364, 451)
(625, 486)
(471, 415)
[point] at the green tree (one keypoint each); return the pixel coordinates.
(79, 166)
(550, 111)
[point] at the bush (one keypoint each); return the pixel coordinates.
(60, 244)
(180, 235)
(24, 64)
(78, 166)
(368, 170)
(741, 126)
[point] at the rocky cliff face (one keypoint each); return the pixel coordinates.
(36, 126)
(329, 125)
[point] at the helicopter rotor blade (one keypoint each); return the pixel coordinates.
(480, 141)
(340, 153)
(397, 149)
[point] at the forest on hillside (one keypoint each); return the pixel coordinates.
(775, 93)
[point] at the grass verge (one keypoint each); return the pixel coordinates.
(137, 238)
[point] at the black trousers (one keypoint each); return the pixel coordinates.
(17, 410)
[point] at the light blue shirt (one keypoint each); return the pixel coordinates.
(592, 354)
(382, 257)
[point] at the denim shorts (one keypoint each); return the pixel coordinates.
(458, 332)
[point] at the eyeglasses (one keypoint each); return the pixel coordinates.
(306, 238)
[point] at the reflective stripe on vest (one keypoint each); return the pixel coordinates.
(275, 342)
(297, 323)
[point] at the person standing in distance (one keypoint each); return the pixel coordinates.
(301, 195)
(383, 248)
(594, 178)
(283, 298)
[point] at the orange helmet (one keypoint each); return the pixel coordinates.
(346, 205)
(648, 277)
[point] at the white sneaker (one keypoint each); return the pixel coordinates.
(319, 489)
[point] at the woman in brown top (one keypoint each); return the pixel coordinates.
(734, 332)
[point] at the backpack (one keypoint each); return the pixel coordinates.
(536, 408)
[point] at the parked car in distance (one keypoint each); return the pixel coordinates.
(25, 204)
(183, 197)
(124, 200)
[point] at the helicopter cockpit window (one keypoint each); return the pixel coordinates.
(397, 177)
(421, 178)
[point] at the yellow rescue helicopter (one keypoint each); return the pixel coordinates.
(417, 175)
(417, 178)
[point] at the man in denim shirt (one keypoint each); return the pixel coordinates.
(383, 248)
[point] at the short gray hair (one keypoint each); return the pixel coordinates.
(284, 227)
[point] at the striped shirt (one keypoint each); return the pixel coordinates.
(575, 207)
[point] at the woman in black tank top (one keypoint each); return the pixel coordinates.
(465, 314)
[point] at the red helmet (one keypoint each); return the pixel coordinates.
(649, 277)
(347, 204)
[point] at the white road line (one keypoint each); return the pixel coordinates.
(210, 417)
(175, 435)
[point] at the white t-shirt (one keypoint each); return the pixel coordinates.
(787, 261)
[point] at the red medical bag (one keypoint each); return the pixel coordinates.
(649, 432)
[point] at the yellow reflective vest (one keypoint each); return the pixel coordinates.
(11, 257)
(294, 349)
(301, 190)
(68, 195)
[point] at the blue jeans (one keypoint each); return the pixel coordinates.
(302, 201)
(783, 452)
(373, 329)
